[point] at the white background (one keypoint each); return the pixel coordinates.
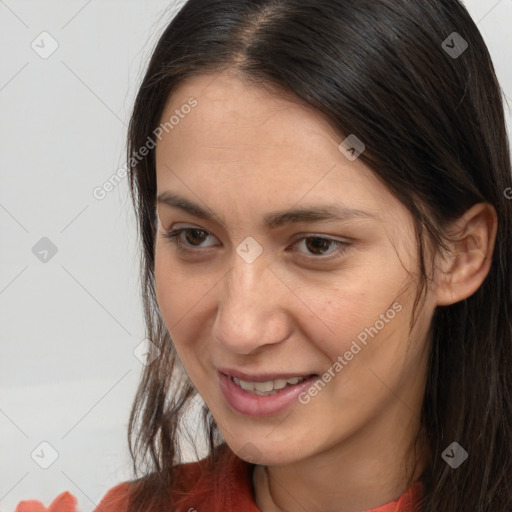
(68, 327)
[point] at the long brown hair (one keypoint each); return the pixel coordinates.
(430, 111)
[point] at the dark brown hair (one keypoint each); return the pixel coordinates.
(433, 125)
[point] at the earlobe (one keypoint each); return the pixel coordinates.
(463, 270)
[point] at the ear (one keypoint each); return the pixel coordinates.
(461, 271)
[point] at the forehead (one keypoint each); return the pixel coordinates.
(235, 116)
(244, 141)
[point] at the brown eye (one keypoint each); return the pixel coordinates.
(318, 245)
(319, 248)
(188, 238)
(195, 236)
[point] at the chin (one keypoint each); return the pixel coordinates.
(265, 453)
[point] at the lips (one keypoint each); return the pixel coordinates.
(262, 394)
(263, 384)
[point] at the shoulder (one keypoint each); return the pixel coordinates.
(186, 477)
(217, 484)
(116, 499)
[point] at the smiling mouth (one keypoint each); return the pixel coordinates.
(270, 387)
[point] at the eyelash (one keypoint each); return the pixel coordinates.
(173, 238)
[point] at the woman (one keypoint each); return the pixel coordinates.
(321, 191)
(320, 167)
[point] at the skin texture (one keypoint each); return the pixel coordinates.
(242, 153)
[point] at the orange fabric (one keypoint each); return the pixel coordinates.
(196, 492)
(234, 494)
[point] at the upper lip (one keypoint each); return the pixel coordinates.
(261, 377)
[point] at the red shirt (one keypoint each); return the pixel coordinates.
(196, 492)
(234, 494)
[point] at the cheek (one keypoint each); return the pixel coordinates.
(361, 331)
(175, 292)
(184, 300)
(353, 309)
(167, 282)
(178, 287)
(373, 356)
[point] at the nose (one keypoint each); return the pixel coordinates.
(252, 309)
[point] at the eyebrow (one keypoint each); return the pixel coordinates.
(273, 220)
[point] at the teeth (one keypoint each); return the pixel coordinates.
(268, 387)
(247, 386)
(280, 383)
(262, 393)
(264, 386)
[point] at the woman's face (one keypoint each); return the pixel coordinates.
(296, 262)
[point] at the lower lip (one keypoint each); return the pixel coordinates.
(255, 405)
